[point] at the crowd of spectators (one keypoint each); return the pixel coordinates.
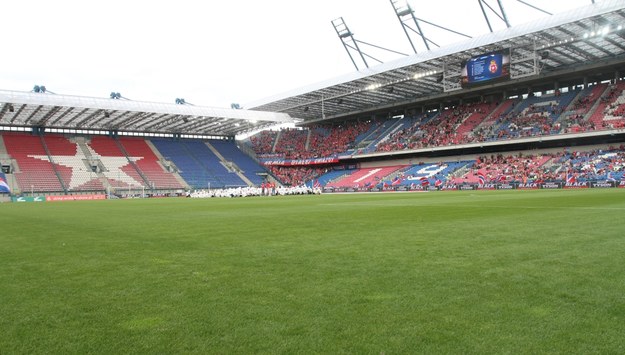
(296, 175)
(262, 143)
(291, 143)
(512, 168)
(593, 165)
(329, 141)
(318, 142)
(461, 124)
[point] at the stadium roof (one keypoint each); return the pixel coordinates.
(49, 110)
(591, 36)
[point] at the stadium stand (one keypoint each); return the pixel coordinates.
(118, 168)
(148, 164)
(241, 161)
(71, 164)
(365, 177)
(34, 170)
(199, 166)
(298, 175)
(500, 168)
(189, 167)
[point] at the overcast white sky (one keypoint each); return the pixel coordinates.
(210, 52)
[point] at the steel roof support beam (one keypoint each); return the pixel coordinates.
(405, 13)
(344, 34)
(30, 117)
(47, 116)
(534, 7)
(134, 120)
(503, 14)
(91, 116)
(61, 116)
(82, 112)
(5, 108)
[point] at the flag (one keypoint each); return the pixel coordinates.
(481, 177)
(609, 177)
(317, 184)
(4, 186)
(425, 181)
(438, 183)
(396, 181)
(570, 178)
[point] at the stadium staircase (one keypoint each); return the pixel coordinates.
(473, 119)
(148, 167)
(499, 111)
(144, 181)
(247, 168)
(591, 94)
(93, 161)
(191, 170)
(614, 115)
(230, 165)
(33, 171)
(275, 141)
(164, 163)
(379, 130)
(4, 155)
(391, 128)
(108, 147)
(66, 173)
(72, 164)
(6, 159)
(307, 144)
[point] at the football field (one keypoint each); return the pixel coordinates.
(520, 272)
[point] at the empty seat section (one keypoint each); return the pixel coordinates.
(36, 173)
(119, 172)
(72, 164)
(149, 164)
(230, 151)
(220, 176)
(189, 167)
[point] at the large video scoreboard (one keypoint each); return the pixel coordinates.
(486, 68)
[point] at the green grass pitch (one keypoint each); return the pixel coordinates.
(519, 272)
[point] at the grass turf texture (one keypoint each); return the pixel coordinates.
(450, 272)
